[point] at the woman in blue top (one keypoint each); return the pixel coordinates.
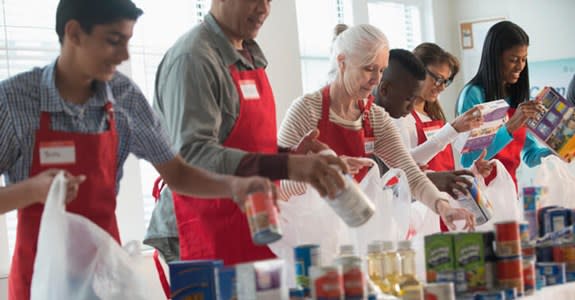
(503, 74)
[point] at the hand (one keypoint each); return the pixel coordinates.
(469, 120)
(319, 171)
(484, 167)
(424, 168)
(355, 164)
(449, 214)
(39, 185)
(526, 110)
(449, 181)
(242, 186)
(310, 143)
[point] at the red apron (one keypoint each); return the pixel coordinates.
(510, 155)
(444, 160)
(96, 158)
(217, 228)
(345, 141)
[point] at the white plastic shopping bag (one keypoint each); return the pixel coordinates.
(76, 259)
(558, 177)
(308, 219)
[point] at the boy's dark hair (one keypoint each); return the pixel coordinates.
(409, 62)
(501, 37)
(94, 12)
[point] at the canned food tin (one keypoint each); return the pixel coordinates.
(510, 293)
(527, 251)
(439, 291)
(262, 218)
(528, 275)
(476, 202)
(305, 256)
(351, 204)
(544, 253)
(510, 273)
(326, 283)
(507, 239)
(524, 233)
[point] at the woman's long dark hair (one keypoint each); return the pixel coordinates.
(432, 54)
(501, 37)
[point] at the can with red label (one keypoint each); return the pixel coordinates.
(262, 218)
(507, 242)
(529, 275)
(354, 284)
(510, 273)
(527, 251)
(326, 283)
(439, 291)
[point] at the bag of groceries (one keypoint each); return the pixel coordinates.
(76, 259)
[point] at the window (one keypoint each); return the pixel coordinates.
(28, 39)
(316, 21)
(400, 21)
(148, 46)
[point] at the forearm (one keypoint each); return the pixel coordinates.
(16, 196)
(185, 179)
(423, 153)
(272, 166)
(502, 138)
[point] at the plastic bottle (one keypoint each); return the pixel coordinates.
(409, 287)
(354, 283)
(351, 204)
(375, 262)
(390, 269)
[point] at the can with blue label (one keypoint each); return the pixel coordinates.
(491, 295)
(305, 256)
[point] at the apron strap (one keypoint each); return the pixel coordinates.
(162, 275)
(368, 130)
(159, 185)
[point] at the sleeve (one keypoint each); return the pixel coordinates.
(149, 140)
(423, 153)
(469, 97)
(533, 151)
(191, 106)
(295, 125)
(389, 147)
(10, 145)
(571, 90)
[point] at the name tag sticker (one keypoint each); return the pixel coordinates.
(57, 152)
(369, 145)
(249, 89)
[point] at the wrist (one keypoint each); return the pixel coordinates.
(441, 205)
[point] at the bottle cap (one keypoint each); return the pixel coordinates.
(404, 245)
(387, 245)
(375, 247)
(346, 250)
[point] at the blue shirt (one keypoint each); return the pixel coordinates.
(24, 96)
(532, 151)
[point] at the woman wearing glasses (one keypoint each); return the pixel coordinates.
(425, 131)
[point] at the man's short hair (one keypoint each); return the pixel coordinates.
(94, 12)
(409, 62)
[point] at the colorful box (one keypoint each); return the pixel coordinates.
(472, 255)
(439, 255)
(555, 127)
(195, 279)
(494, 116)
(262, 280)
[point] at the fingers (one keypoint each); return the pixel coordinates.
(462, 185)
(333, 160)
(482, 155)
(463, 172)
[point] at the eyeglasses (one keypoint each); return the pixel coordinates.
(438, 80)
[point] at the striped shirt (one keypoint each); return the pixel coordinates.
(24, 96)
(304, 115)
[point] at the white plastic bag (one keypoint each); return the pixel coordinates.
(308, 219)
(557, 176)
(76, 259)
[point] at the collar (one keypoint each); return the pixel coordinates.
(51, 101)
(229, 54)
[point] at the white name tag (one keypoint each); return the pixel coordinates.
(249, 90)
(369, 145)
(60, 152)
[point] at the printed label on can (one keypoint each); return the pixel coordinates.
(262, 218)
(352, 205)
